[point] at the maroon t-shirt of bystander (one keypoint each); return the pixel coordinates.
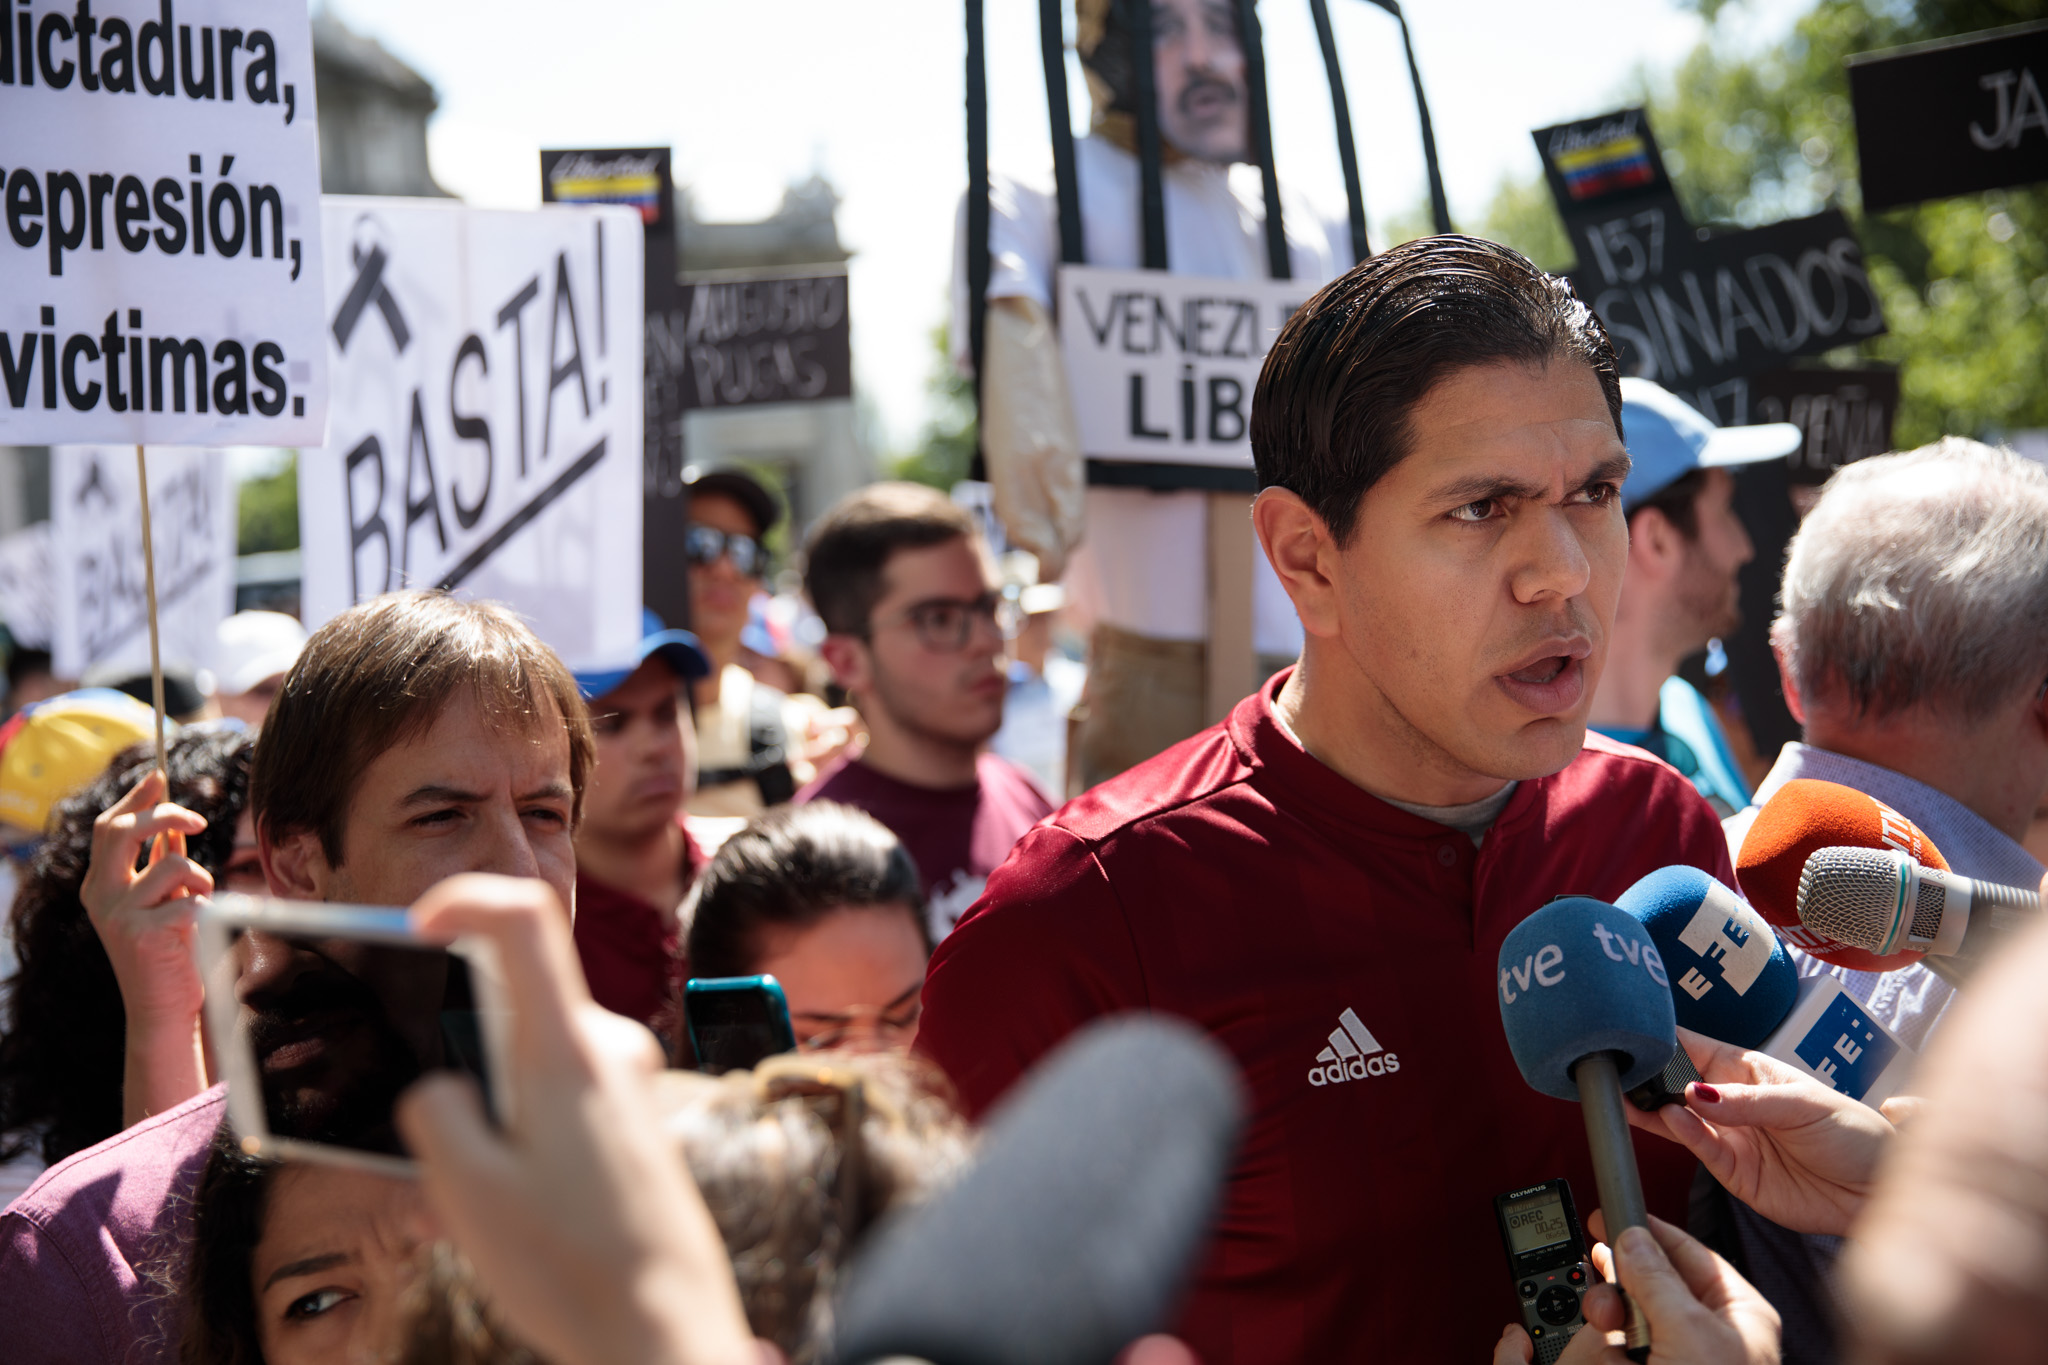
(1239, 883)
(955, 835)
(631, 955)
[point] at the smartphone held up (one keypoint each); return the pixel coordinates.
(322, 1014)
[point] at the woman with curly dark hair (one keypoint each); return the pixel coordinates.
(90, 1043)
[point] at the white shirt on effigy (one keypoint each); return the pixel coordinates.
(1143, 565)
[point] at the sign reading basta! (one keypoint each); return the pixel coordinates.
(486, 417)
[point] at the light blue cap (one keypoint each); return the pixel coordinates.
(678, 649)
(1668, 439)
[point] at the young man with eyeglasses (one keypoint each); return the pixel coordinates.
(744, 720)
(918, 637)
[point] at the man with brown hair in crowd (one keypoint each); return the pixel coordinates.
(918, 638)
(418, 736)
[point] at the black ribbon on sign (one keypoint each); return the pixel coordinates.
(370, 288)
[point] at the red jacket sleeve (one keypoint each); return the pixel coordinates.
(1046, 949)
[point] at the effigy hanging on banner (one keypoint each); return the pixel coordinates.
(486, 417)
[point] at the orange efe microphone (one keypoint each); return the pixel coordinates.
(1806, 816)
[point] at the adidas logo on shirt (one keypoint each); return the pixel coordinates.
(1353, 1054)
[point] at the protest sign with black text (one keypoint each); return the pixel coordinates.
(161, 255)
(1162, 367)
(485, 432)
(99, 616)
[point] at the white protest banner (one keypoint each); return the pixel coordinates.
(25, 585)
(1162, 367)
(100, 616)
(160, 272)
(485, 419)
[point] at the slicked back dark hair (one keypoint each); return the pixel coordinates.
(1331, 414)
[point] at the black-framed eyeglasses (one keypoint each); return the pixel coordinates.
(703, 545)
(946, 624)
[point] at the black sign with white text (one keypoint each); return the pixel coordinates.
(738, 340)
(1846, 414)
(1952, 117)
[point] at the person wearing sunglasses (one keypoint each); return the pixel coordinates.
(744, 718)
(918, 635)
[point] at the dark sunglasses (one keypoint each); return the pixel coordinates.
(703, 545)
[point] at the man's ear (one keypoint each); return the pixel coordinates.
(847, 657)
(1654, 544)
(1299, 547)
(295, 866)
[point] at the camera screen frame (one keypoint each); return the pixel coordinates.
(225, 916)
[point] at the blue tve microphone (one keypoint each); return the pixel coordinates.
(1586, 1002)
(1732, 980)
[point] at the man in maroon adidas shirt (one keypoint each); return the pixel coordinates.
(1324, 880)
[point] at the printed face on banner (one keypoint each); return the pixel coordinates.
(1199, 78)
(101, 609)
(162, 243)
(486, 412)
(1162, 367)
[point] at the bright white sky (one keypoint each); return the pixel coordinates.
(755, 94)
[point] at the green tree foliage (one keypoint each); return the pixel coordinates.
(945, 448)
(1753, 137)
(268, 508)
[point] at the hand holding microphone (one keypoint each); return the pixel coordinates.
(1800, 1154)
(1586, 1004)
(1701, 1311)
(1786, 1128)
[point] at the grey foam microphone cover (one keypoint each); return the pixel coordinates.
(1073, 1233)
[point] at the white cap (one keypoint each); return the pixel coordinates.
(254, 645)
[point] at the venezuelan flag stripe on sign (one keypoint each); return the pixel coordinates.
(1619, 163)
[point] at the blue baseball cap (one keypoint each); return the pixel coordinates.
(1668, 439)
(678, 649)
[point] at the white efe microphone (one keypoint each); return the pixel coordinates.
(1884, 901)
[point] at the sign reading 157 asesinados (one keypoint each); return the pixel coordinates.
(160, 272)
(1162, 367)
(486, 417)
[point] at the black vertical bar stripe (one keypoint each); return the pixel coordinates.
(977, 189)
(1260, 125)
(1151, 199)
(1052, 40)
(1347, 145)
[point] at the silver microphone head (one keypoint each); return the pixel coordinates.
(1859, 897)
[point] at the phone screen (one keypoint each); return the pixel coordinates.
(734, 1028)
(335, 1028)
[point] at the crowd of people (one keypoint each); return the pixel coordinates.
(1349, 846)
(1484, 558)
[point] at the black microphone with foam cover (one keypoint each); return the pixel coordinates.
(1075, 1230)
(1586, 1003)
(1885, 902)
